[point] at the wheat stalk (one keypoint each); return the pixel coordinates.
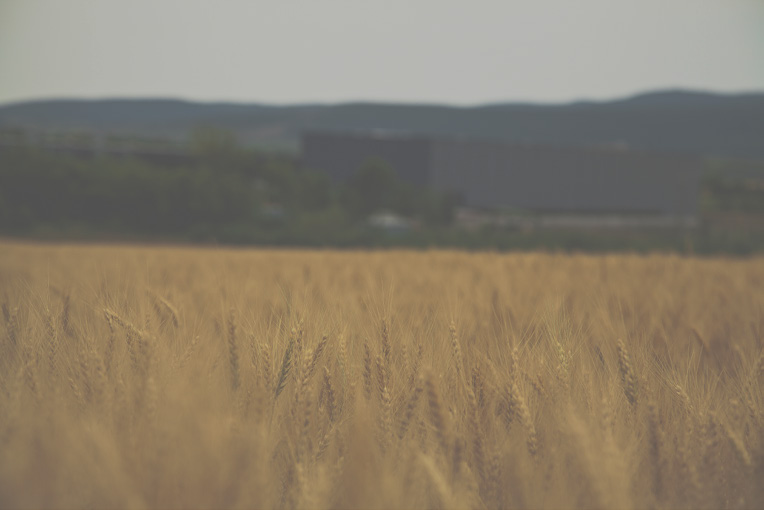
(477, 437)
(366, 371)
(233, 351)
(628, 379)
(170, 309)
(317, 355)
(738, 446)
(436, 415)
(656, 449)
(66, 325)
(302, 405)
(525, 416)
(266, 366)
(110, 342)
(11, 323)
(328, 390)
(386, 340)
(456, 350)
(286, 364)
(385, 422)
(52, 338)
(410, 408)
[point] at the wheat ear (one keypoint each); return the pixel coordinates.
(625, 368)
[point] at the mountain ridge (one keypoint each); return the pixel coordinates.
(676, 120)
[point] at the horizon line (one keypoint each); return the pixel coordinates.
(384, 102)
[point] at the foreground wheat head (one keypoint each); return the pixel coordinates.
(200, 378)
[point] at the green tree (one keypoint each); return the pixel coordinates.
(210, 141)
(375, 186)
(314, 192)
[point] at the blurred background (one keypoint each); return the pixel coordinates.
(590, 125)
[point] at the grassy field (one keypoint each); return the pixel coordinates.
(137, 377)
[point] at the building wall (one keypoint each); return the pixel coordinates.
(491, 175)
(546, 179)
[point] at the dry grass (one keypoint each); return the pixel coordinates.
(179, 378)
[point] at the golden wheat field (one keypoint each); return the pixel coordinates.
(148, 377)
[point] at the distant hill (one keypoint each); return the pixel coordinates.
(673, 121)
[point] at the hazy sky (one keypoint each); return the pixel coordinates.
(463, 52)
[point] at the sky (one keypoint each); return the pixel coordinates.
(329, 51)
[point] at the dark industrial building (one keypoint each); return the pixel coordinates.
(495, 175)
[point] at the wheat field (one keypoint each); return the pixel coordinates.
(167, 377)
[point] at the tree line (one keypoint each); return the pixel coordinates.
(222, 192)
